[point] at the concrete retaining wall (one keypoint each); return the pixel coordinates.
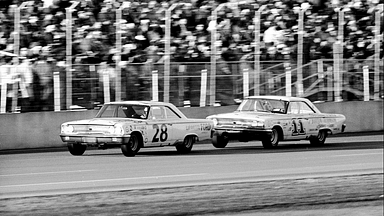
(37, 130)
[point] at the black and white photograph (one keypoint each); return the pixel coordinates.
(192, 107)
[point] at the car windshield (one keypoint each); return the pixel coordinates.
(263, 105)
(123, 111)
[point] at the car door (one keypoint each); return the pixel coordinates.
(160, 131)
(297, 110)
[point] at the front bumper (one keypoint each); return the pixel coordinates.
(242, 134)
(92, 140)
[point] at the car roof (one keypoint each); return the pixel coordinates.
(274, 97)
(144, 103)
(150, 103)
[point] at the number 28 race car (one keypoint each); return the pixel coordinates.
(132, 125)
(275, 118)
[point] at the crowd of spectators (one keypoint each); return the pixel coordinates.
(43, 25)
(43, 30)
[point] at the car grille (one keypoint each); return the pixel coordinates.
(233, 123)
(90, 128)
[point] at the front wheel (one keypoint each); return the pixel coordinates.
(186, 145)
(273, 140)
(132, 147)
(219, 141)
(319, 140)
(76, 149)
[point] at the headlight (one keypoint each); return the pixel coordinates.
(67, 128)
(215, 122)
(117, 129)
(257, 124)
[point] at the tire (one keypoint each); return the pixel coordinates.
(186, 145)
(76, 149)
(219, 141)
(273, 140)
(132, 147)
(319, 140)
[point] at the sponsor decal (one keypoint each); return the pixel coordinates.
(201, 127)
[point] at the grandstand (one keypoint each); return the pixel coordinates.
(88, 52)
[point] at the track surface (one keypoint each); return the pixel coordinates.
(55, 173)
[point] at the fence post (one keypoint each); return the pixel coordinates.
(155, 85)
(336, 74)
(56, 91)
(93, 77)
(203, 88)
(181, 84)
(288, 79)
(320, 73)
(366, 82)
(3, 100)
(329, 83)
(106, 86)
(245, 82)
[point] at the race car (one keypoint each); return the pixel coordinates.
(272, 119)
(132, 125)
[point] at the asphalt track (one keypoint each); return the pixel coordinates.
(57, 173)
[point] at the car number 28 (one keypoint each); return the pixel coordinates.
(161, 133)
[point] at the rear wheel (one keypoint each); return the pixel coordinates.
(319, 140)
(219, 141)
(272, 140)
(186, 145)
(132, 147)
(76, 148)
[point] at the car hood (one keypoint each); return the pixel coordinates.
(246, 115)
(104, 121)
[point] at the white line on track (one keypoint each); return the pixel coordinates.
(104, 180)
(348, 155)
(46, 173)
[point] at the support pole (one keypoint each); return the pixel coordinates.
(288, 79)
(203, 88)
(366, 82)
(68, 32)
(257, 75)
(56, 91)
(300, 34)
(155, 85)
(167, 54)
(212, 83)
(378, 43)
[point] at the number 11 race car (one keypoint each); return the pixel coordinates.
(132, 125)
(272, 119)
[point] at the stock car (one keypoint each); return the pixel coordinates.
(272, 119)
(132, 125)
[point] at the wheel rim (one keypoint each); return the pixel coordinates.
(188, 142)
(321, 136)
(133, 143)
(274, 137)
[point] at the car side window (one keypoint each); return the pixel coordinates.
(293, 108)
(157, 113)
(305, 109)
(299, 108)
(171, 114)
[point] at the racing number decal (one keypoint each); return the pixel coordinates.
(298, 128)
(163, 133)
